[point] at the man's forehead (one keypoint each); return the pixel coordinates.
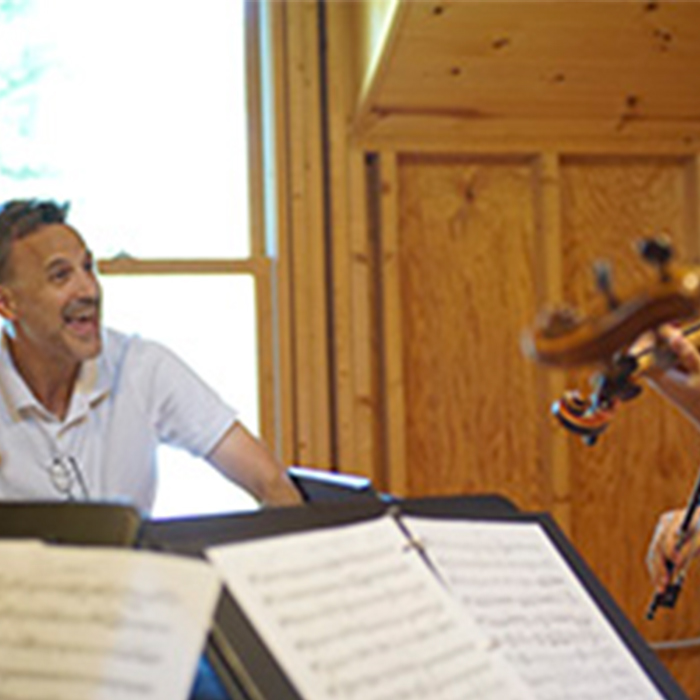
(49, 241)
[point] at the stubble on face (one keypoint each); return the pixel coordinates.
(54, 296)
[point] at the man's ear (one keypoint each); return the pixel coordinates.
(7, 303)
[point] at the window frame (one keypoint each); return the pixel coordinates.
(259, 266)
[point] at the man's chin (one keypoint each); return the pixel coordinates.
(95, 349)
(86, 348)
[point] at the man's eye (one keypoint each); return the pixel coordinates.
(60, 275)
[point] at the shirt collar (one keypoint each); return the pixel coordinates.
(92, 384)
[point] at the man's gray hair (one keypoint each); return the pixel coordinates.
(20, 217)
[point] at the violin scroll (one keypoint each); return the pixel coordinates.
(562, 337)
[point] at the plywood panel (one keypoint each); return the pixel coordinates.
(646, 461)
(466, 248)
(609, 64)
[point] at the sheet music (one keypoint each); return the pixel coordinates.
(79, 623)
(352, 612)
(521, 592)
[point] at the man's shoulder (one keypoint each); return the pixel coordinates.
(117, 343)
(129, 350)
(122, 350)
(148, 368)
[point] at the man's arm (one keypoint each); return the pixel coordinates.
(245, 460)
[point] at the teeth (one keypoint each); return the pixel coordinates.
(80, 313)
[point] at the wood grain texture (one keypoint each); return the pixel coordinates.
(340, 259)
(466, 258)
(275, 180)
(364, 328)
(615, 66)
(352, 260)
(448, 133)
(308, 253)
(550, 285)
(392, 314)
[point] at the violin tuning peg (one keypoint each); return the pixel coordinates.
(558, 321)
(656, 251)
(603, 280)
(580, 417)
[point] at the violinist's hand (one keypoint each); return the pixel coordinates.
(662, 548)
(679, 383)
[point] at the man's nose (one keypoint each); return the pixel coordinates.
(88, 286)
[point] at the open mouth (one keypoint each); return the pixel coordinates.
(84, 320)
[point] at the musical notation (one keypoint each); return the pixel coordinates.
(514, 583)
(351, 612)
(81, 622)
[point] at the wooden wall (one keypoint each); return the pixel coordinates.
(433, 251)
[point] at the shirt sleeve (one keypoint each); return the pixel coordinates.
(186, 412)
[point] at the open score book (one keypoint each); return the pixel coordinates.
(417, 607)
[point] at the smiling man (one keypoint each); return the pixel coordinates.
(83, 408)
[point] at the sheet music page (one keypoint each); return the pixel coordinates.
(352, 612)
(521, 592)
(84, 623)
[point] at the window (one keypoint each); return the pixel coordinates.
(134, 111)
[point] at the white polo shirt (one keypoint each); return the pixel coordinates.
(133, 396)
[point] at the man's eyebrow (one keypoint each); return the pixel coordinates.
(66, 260)
(56, 262)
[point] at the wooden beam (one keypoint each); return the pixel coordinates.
(307, 245)
(392, 333)
(551, 385)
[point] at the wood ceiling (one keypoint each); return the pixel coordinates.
(605, 67)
